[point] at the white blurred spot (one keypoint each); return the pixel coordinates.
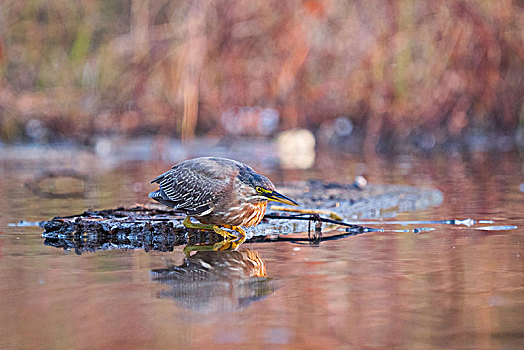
(428, 141)
(296, 149)
(343, 126)
(36, 130)
(103, 147)
(360, 182)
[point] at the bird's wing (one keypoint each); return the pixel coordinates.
(188, 190)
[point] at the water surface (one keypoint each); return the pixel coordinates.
(452, 287)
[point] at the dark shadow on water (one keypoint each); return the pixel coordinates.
(206, 281)
(209, 282)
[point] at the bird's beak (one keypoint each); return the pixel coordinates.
(277, 197)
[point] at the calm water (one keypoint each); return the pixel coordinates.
(454, 287)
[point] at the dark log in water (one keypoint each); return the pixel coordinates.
(153, 227)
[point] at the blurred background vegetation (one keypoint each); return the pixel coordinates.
(401, 71)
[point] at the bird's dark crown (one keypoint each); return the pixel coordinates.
(254, 179)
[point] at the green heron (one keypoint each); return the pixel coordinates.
(220, 193)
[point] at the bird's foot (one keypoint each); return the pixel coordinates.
(231, 241)
(226, 244)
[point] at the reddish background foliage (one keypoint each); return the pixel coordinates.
(395, 68)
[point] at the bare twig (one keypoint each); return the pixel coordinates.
(350, 227)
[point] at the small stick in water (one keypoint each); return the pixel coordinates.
(331, 214)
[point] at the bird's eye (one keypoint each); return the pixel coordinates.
(259, 189)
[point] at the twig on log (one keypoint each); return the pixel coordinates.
(350, 227)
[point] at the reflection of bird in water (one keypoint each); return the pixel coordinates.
(220, 193)
(210, 281)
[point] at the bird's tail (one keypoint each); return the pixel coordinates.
(156, 194)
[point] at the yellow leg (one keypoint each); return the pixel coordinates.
(198, 248)
(230, 242)
(187, 223)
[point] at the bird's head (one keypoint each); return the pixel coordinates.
(262, 189)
